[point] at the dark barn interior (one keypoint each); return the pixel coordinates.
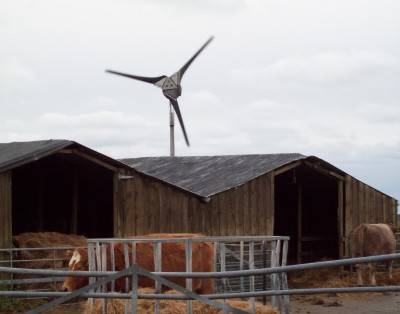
(306, 209)
(64, 193)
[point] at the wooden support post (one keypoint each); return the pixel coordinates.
(341, 235)
(299, 220)
(75, 197)
(40, 203)
(5, 217)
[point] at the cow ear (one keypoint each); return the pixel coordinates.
(70, 253)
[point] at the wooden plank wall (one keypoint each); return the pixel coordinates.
(364, 204)
(149, 206)
(5, 217)
(5, 210)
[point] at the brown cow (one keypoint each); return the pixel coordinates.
(370, 240)
(173, 260)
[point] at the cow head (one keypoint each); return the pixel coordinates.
(78, 262)
(393, 228)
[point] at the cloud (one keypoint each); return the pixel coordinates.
(325, 70)
(16, 77)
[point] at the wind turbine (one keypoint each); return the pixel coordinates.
(171, 88)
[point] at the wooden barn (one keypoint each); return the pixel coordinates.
(63, 186)
(303, 197)
(56, 185)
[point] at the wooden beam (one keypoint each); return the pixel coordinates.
(322, 170)
(287, 167)
(88, 157)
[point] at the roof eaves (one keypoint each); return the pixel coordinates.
(28, 157)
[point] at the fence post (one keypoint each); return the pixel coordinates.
(222, 253)
(189, 282)
(284, 277)
(158, 268)
(135, 278)
(251, 267)
(92, 267)
(112, 248)
(242, 264)
(104, 268)
(264, 265)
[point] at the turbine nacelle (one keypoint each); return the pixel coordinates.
(170, 86)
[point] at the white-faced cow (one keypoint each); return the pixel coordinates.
(173, 260)
(370, 240)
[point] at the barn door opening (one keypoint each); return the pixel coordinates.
(306, 209)
(63, 193)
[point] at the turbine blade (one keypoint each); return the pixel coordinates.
(187, 64)
(152, 80)
(178, 113)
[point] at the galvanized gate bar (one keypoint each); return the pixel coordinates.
(259, 271)
(211, 297)
(80, 291)
(190, 294)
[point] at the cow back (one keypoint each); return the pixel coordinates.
(173, 259)
(373, 239)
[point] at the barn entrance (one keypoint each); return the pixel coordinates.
(64, 193)
(307, 205)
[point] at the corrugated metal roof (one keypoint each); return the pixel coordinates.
(209, 175)
(16, 154)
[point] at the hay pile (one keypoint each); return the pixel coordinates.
(335, 278)
(115, 306)
(43, 259)
(47, 239)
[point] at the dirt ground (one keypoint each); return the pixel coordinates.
(354, 303)
(383, 303)
(387, 303)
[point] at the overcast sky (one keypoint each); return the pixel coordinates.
(314, 77)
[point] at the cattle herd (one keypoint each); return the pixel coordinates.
(367, 240)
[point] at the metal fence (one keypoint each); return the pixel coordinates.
(135, 271)
(230, 254)
(35, 258)
(237, 260)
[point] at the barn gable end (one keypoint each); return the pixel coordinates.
(56, 185)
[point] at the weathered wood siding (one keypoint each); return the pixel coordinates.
(5, 212)
(364, 204)
(148, 206)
